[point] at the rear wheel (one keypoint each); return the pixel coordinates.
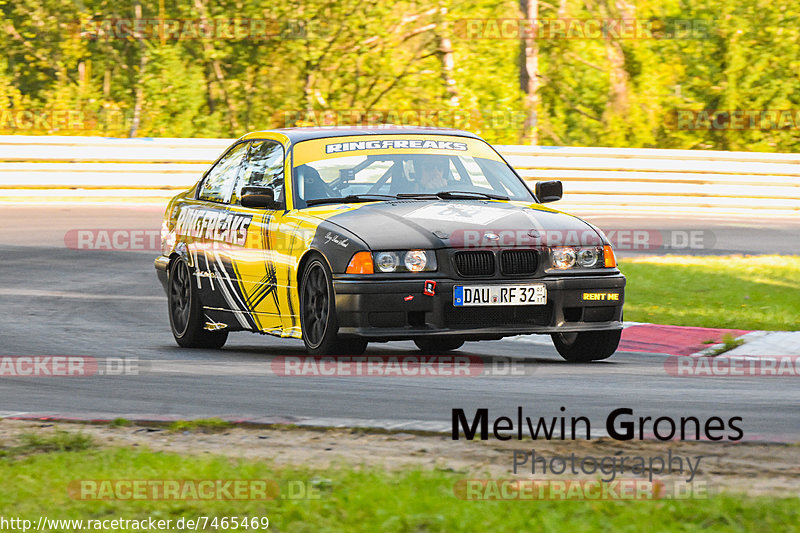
(585, 346)
(318, 314)
(438, 345)
(185, 312)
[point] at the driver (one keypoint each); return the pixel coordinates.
(433, 173)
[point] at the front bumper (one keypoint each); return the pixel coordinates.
(398, 309)
(161, 265)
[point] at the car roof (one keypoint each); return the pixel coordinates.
(296, 135)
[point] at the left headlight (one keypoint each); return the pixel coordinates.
(167, 238)
(566, 257)
(404, 261)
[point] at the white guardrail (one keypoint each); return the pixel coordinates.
(608, 180)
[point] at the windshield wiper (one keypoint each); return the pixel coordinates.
(351, 198)
(467, 195)
(418, 195)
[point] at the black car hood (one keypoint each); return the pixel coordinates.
(431, 224)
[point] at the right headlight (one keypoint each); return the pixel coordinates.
(563, 257)
(566, 257)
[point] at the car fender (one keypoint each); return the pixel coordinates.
(336, 244)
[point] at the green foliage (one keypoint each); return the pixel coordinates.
(203, 425)
(352, 57)
(729, 342)
(356, 499)
(750, 292)
(60, 441)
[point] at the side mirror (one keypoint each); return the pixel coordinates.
(549, 191)
(259, 198)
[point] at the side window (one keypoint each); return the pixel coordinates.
(264, 168)
(219, 182)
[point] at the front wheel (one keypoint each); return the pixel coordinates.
(185, 312)
(318, 314)
(585, 346)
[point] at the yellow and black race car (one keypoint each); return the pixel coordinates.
(344, 236)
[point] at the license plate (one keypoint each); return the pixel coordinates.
(469, 295)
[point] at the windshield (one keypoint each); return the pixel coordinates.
(387, 175)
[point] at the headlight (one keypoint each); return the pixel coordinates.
(167, 238)
(565, 257)
(416, 260)
(386, 261)
(404, 261)
(587, 257)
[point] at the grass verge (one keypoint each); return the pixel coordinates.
(350, 499)
(60, 441)
(739, 292)
(203, 425)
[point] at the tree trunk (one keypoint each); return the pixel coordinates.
(618, 75)
(529, 74)
(447, 58)
(139, 95)
(216, 70)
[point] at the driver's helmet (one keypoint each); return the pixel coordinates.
(427, 167)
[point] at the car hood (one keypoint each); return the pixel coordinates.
(409, 224)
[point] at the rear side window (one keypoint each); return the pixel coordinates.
(220, 180)
(263, 168)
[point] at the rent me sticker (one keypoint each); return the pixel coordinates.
(600, 296)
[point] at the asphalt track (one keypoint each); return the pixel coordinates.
(108, 304)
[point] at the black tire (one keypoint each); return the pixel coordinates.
(438, 345)
(186, 317)
(318, 321)
(350, 346)
(585, 346)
